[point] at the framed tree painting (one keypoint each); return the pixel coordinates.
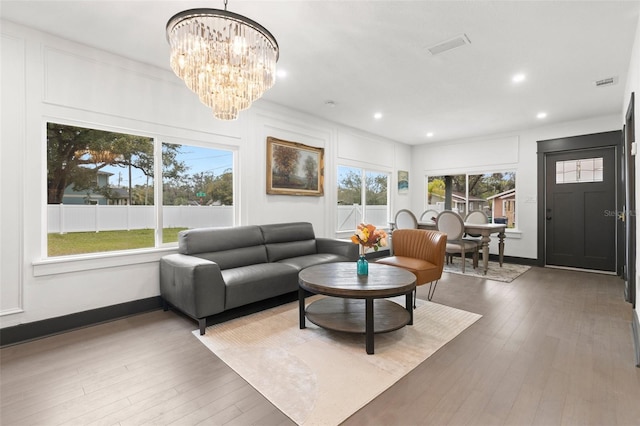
(294, 168)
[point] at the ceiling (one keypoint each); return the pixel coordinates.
(372, 56)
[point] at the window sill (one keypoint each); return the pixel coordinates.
(66, 264)
(513, 233)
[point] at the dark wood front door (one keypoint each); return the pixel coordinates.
(629, 214)
(580, 209)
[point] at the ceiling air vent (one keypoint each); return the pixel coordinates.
(457, 41)
(606, 82)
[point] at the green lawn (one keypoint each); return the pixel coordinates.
(93, 242)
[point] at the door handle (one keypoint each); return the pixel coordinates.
(622, 216)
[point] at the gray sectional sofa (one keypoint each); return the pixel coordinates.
(218, 269)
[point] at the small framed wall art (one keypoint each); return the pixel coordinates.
(403, 182)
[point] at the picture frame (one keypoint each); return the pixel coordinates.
(403, 182)
(294, 168)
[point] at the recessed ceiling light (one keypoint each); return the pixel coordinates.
(377, 115)
(541, 115)
(518, 78)
(281, 73)
(430, 134)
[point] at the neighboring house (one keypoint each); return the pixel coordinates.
(120, 196)
(504, 208)
(459, 203)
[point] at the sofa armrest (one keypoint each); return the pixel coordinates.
(339, 247)
(193, 285)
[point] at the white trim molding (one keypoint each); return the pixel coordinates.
(635, 327)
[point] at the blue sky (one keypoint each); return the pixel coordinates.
(199, 160)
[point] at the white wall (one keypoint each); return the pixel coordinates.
(513, 151)
(47, 79)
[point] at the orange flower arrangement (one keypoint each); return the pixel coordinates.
(368, 236)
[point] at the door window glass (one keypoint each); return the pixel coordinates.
(578, 171)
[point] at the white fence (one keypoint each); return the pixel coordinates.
(350, 216)
(81, 218)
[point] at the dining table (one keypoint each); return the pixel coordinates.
(485, 230)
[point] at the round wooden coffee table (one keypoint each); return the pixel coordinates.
(358, 303)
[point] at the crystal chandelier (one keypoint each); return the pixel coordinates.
(228, 60)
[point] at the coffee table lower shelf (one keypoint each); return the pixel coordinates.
(349, 315)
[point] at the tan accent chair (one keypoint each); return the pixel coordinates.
(421, 252)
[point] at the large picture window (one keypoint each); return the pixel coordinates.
(492, 193)
(197, 188)
(362, 197)
(102, 195)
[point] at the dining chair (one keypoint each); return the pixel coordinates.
(451, 224)
(475, 217)
(405, 219)
(429, 215)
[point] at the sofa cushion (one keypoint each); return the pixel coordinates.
(277, 252)
(203, 240)
(286, 232)
(237, 257)
(228, 247)
(301, 262)
(252, 283)
(285, 240)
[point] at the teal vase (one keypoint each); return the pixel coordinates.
(363, 266)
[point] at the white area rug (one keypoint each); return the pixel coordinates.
(507, 273)
(320, 377)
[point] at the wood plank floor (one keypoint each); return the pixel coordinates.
(553, 347)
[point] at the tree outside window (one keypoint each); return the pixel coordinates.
(493, 193)
(80, 162)
(355, 205)
(101, 190)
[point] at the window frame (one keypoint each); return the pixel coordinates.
(364, 169)
(46, 265)
(472, 172)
